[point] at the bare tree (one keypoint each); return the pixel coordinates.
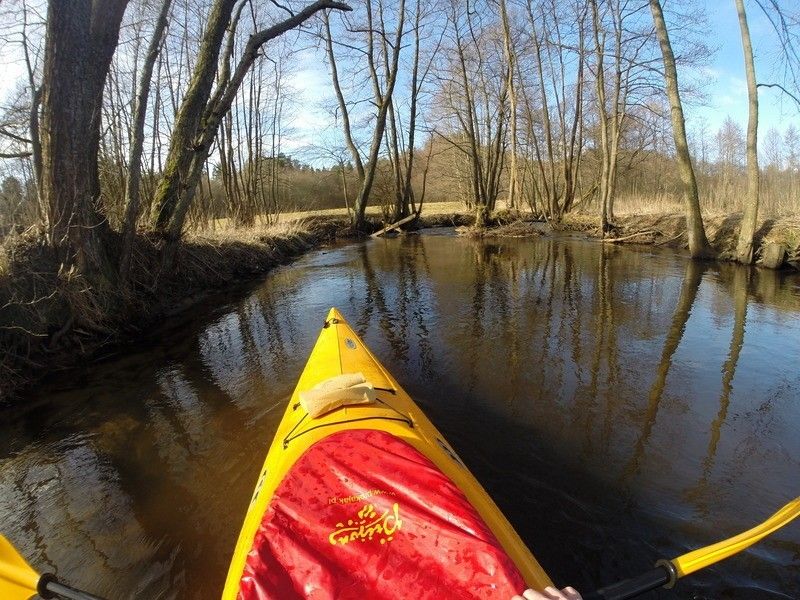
(382, 67)
(81, 39)
(401, 138)
(36, 101)
(613, 112)
(132, 184)
(554, 103)
(744, 246)
(343, 107)
(514, 183)
(473, 98)
(201, 113)
(698, 243)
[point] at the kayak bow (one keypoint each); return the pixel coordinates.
(369, 499)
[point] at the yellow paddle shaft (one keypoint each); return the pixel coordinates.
(18, 580)
(703, 557)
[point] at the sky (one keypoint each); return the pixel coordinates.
(727, 87)
(723, 81)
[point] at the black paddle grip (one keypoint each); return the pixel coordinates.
(658, 577)
(49, 587)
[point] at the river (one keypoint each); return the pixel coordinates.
(620, 405)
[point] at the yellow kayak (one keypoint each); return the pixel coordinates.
(360, 496)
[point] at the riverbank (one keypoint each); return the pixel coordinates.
(722, 231)
(51, 319)
(668, 229)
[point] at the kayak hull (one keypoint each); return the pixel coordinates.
(309, 484)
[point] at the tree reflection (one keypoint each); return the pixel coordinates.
(375, 298)
(693, 276)
(739, 286)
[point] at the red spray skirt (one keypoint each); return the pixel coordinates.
(363, 514)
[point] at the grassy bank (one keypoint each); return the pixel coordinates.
(651, 228)
(669, 229)
(52, 318)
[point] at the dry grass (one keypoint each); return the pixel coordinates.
(433, 209)
(669, 229)
(52, 316)
(665, 204)
(647, 205)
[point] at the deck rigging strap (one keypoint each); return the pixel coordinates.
(291, 438)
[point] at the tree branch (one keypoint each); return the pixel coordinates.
(781, 88)
(282, 7)
(260, 38)
(13, 136)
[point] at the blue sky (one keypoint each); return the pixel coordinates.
(726, 87)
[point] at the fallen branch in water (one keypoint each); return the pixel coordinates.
(393, 226)
(627, 237)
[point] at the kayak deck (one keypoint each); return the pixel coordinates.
(363, 514)
(371, 501)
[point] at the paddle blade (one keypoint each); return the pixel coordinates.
(17, 579)
(703, 557)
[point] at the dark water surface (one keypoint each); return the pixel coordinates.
(619, 405)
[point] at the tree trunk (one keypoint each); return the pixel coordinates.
(132, 204)
(33, 114)
(698, 243)
(602, 113)
(348, 133)
(744, 247)
(81, 38)
(183, 144)
(383, 101)
(408, 198)
(513, 170)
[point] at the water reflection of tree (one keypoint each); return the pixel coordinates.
(222, 350)
(483, 255)
(693, 276)
(605, 340)
(547, 288)
(414, 258)
(269, 329)
(72, 518)
(376, 300)
(246, 350)
(700, 492)
(397, 290)
(496, 310)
